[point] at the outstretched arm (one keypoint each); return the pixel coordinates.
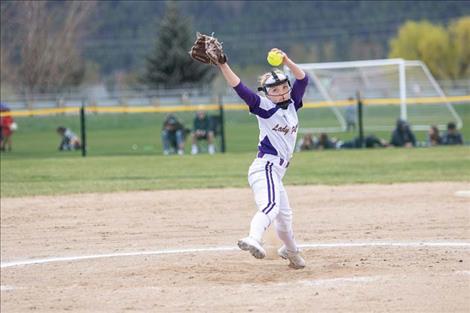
(231, 78)
(208, 50)
(250, 98)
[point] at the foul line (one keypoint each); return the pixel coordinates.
(406, 244)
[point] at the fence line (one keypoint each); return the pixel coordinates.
(228, 106)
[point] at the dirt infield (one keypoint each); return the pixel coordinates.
(375, 262)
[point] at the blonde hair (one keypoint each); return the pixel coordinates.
(263, 78)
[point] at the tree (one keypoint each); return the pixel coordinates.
(445, 51)
(437, 52)
(460, 36)
(40, 42)
(170, 65)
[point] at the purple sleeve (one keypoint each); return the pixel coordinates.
(298, 91)
(251, 98)
(253, 101)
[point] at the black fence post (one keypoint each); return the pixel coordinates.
(222, 125)
(359, 119)
(83, 128)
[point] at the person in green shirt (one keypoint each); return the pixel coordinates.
(202, 130)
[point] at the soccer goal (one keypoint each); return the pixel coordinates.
(389, 88)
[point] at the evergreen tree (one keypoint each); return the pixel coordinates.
(170, 65)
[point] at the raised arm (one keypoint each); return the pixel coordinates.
(301, 79)
(208, 50)
(232, 79)
(298, 73)
(250, 98)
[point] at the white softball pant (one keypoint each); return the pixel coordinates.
(265, 179)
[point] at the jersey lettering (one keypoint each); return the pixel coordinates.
(284, 129)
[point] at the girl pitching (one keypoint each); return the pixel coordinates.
(276, 112)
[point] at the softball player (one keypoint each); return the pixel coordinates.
(276, 112)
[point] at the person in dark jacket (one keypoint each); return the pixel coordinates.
(173, 135)
(402, 136)
(452, 136)
(370, 141)
(324, 142)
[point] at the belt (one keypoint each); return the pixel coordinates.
(281, 160)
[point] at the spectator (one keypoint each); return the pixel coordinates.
(370, 141)
(307, 143)
(324, 142)
(402, 136)
(350, 115)
(452, 136)
(434, 138)
(202, 129)
(69, 141)
(7, 127)
(173, 135)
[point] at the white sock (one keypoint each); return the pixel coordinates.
(194, 149)
(211, 149)
(259, 224)
(288, 239)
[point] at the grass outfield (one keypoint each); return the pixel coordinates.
(139, 134)
(73, 174)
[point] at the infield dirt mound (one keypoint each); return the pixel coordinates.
(348, 279)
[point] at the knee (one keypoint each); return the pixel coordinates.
(283, 226)
(284, 222)
(179, 135)
(271, 211)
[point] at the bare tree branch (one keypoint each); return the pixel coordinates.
(44, 41)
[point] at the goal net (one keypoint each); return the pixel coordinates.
(390, 89)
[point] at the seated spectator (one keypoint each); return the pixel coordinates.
(324, 142)
(7, 127)
(434, 138)
(173, 135)
(402, 136)
(202, 130)
(370, 141)
(452, 136)
(307, 142)
(69, 141)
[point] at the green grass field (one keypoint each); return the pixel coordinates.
(47, 176)
(125, 154)
(139, 134)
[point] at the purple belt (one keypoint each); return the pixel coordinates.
(281, 160)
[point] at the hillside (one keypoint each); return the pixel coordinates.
(123, 31)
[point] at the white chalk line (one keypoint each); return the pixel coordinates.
(405, 244)
(462, 193)
(340, 280)
(333, 281)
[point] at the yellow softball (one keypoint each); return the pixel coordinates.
(274, 58)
